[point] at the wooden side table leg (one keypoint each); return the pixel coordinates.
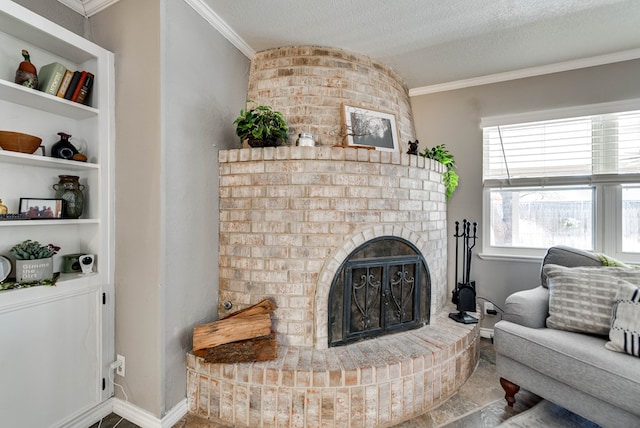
(510, 389)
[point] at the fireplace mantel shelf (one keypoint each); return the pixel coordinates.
(337, 153)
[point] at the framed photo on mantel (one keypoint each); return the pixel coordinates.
(370, 128)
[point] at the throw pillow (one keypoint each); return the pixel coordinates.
(563, 255)
(581, 298)
(625, 321)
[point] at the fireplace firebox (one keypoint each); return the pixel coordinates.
(381, 288)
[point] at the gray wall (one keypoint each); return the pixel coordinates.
(58, 13)
(138, 224)
(453, 118)
(204, 83)
(179, 86)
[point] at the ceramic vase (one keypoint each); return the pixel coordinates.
(70, 191)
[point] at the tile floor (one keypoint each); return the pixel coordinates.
(478, 404)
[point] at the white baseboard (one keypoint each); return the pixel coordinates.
(145, 419)
(486, 333)
(91, 416)
(128, 411)
(175, 414)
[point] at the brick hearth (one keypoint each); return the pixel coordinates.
(378, 382)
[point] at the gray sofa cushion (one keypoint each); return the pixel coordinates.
(569, 257)
(578, 360)
(529, 308)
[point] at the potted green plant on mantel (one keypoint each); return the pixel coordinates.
(450, 177)
(34, 262)
(261, 126)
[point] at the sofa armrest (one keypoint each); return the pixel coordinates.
(529, 308)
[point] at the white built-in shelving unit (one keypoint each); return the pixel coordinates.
(56, 343)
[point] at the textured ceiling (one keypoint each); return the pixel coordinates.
(433, 42)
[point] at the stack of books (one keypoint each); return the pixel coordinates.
(56, 79)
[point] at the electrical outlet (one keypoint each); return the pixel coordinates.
(120, 368)
(488, 306)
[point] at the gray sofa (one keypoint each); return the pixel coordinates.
(572, 370)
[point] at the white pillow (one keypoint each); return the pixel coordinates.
(581, 298)
(624, 335)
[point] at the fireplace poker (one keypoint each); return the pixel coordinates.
(470, 247)
(457, 235)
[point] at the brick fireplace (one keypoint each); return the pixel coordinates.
(289, 218)
(292, 219)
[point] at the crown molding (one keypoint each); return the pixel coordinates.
(528, 72)
(218, 23)
(88, 8)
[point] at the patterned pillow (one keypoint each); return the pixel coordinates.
(581, 298)
(625, 321)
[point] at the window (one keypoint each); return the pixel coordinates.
(631, 219)
(570, 180)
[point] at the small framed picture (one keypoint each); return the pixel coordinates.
(370, 128)
(39, 208)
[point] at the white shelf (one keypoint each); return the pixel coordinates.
(39, 100)
(68, 284)
(59, 222)
(45, 162)
(75, 305)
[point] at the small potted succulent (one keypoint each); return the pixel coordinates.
(261, 126)
(34, 262)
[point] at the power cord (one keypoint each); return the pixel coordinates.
(492, 311)
(112, 367)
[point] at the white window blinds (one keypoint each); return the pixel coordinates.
(579, 149)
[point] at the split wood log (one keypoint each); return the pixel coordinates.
(257, 349)
(231, 330)
(263, 307)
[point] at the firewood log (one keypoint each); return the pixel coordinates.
(231, 330)
(263, 307)
(257, 349)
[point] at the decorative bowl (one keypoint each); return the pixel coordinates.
(19, 142)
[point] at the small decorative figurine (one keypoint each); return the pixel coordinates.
(26, 74)
(413, 148)
(63, 149)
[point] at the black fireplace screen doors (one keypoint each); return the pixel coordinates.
(381, 288)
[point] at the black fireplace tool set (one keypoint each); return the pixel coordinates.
(464, 294)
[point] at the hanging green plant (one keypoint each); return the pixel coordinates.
(450, 177)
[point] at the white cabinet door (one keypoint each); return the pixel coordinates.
(50, 357)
